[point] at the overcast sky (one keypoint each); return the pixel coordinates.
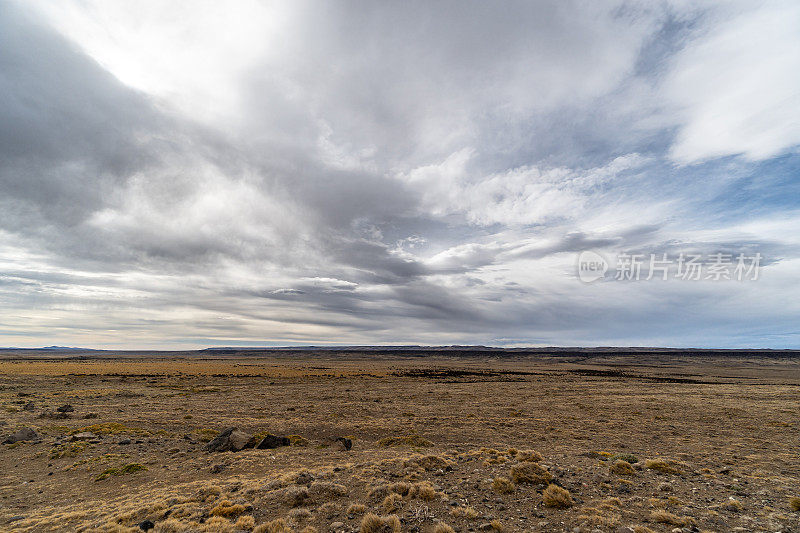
(188, 174)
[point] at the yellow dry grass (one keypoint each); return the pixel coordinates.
(557, 497)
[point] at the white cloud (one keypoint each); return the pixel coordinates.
(735, 87)
(519, 196)
(191, 55)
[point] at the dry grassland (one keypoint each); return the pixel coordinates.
(439, 444)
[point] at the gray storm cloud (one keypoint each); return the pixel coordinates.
(179, 175)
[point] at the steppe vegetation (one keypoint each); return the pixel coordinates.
(421, 445)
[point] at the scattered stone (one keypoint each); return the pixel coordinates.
(217, 468)
(337, 525)
(344, 443)
(230, 439)
(91, 415)
(272, 441)
(30, 406)
(593, 455)
(145, 525)
(665, 486)
(67, 408)
(304, 478)
(84, 435)
(24, 434)
(124, 442)
(623, 529)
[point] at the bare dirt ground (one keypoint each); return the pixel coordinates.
(641, 443)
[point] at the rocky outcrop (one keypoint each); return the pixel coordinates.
(230, 439)
(21, 435)
(273, 441)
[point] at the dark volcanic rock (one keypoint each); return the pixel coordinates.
(272, 441)
(65, 409)
(145, 525)
(344, 443)
(230, 439)
(30, 406)
(24, 434)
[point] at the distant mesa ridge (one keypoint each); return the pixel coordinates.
(414, 350)
(52, 348)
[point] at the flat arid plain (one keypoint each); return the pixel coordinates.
(401, 440)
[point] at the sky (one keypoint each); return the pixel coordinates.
(177, 175)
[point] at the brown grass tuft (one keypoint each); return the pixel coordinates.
(326, 489)
(356, 509)
(297, 440)
(664, 466)
(558, 497)
(622, 468)
(329, 510)
(391, 503)
(372, 523)
(218, 524)
(295, 496)
(245, 522)
(465, 512)
(275, 526)
(425, 491)
(497, 525)
(299, 515)
(529, 455)
(207, 493)
(503, 485)
(530, 473)
(794, 503)
(733, 505)
(402, 488)
(441, 527)
(665, 517)
(227, 509)
(170, 526)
